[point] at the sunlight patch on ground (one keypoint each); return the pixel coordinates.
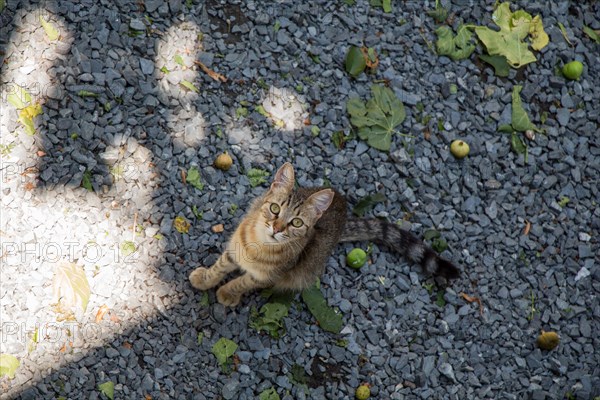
(287, 109)
(105, 234)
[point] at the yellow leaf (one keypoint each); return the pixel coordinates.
(181, 224)
(31, 111)
(539, 38)
(51, 31)
(70, 286)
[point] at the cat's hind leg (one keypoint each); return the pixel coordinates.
(206, 278)
(231, 293)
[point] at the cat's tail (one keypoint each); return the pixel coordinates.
(400, 240)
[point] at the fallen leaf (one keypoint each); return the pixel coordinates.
(107, 389)
(183, 175)
(215, 75)
(594, 35)
(114, 318)
(41, 153)
(217, 228)
(51, 31)
(181, 224)
(101, 312)
(29, 186)
(127, 345)
(8, 365)
(70, 286)
(370, 55)
(527, 228)
(472, 299)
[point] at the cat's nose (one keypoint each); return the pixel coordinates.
(276, 228)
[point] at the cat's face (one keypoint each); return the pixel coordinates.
(284, 216)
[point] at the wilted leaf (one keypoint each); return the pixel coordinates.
(223, 349)
(269, 394)
(193, 178)
(181, 224)
(18, 97)
(107, 389)
(355, 61)
(520, 120)
(501, 67)
(367, 203)
(527, 228)
(8, 365)
(456, 47)
(189, 85)
(257, 176)
(70, 286)
(101, 312)
(218, 228)
(509, 40)
(472, 299)
(270, 317)
(539, 37)
(564, 33)
(548, 340)
(594, 35)
(328, 318)
(51, 31)
(215, 75)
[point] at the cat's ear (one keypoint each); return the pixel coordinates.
(284, 178)
(321, 201)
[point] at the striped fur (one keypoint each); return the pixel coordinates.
(271, 252)
(399, 240)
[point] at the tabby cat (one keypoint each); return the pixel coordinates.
(284, 241)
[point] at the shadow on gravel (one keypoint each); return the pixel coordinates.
(106, 123)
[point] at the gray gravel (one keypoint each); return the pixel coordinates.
(403, 334)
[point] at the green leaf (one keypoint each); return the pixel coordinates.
(505, 128)
(8, 365)
(51, 31)
(257, 176)
(200, 338)
(517, 144)
(86, 180)
(355, 61)
(86, 93)
(70, 286)
(440, 301)
(356, 107)
(594, 35)
(564, 200)
(107, 389)
(18, 97)
(328, 318)
(501, 66)
(378, 119)
(193, 178)
(339, 139)
(189, 85)
(431, 234)
(439, 244)
(178, 59)
(223, 349)
(197, 214)
(387, 6)
(269, 394)
(367, 203)
(128, 248)
(261, 110)
(520, 120)
(204, 302)
(505, 44)
(456, 47)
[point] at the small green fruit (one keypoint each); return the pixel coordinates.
(573, 70)
(356, 258)
(459, 149)
(362, 392)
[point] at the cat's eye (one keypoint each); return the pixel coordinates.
(297, 222)
(274, 208)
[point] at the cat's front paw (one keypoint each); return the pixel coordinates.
(199, 279)
(228, 299)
